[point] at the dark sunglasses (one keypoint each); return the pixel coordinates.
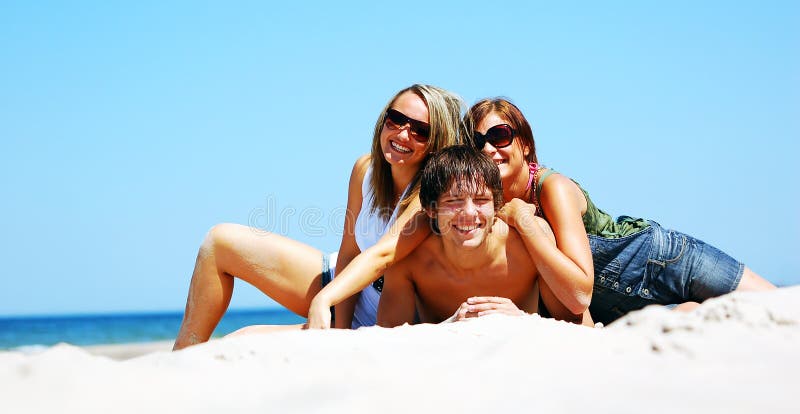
(419, 130)
(500, 136)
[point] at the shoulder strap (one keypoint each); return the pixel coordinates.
(539, 183)
(538, 191)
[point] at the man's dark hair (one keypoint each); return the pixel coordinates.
(468, 168)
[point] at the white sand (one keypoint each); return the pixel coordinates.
(739, 353)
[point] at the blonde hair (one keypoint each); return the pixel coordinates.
(447, 128)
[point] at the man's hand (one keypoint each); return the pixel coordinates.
(485, 305)
(461, 314)
(488, 305)
(517, 213)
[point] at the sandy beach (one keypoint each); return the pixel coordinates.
(735, 354)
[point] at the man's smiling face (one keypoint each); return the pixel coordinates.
(464, 214)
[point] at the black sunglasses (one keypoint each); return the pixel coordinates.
(499, 136)
(395, 119)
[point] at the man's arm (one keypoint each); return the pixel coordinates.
(398, 302)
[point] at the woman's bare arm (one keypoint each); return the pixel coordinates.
(408, 231)
(566, 267)
(348, 249)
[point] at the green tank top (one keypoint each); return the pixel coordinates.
(596, 221)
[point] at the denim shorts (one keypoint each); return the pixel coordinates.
(657, 266)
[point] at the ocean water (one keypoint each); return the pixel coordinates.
(38, 331)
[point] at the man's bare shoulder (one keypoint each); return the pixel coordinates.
(430, 247)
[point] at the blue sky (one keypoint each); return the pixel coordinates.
(128, 130)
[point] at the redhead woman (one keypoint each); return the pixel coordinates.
(616, 265)
(383, 192)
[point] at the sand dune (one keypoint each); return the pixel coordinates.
(738, 353)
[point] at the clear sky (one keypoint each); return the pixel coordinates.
(128, 129)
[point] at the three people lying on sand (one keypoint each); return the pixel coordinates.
(588, 262)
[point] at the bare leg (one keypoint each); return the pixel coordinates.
(586, 319)
(752, 281)
(286, 270)
(686, 307)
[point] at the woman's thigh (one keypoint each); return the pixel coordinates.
(683, 268)
(284, 269)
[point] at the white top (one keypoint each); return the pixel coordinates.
(370, 227)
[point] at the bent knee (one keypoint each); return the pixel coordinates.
(220, 237)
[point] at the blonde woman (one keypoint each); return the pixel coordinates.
(382, 193)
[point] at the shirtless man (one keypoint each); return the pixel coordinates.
(471, 262)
